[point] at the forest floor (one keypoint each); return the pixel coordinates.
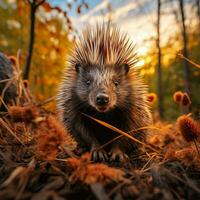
(38, 160)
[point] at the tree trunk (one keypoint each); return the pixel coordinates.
(31, 40)
(159, 71)
(185, 49)
(198, 13)
(33, 8)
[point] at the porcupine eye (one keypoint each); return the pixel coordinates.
(88, 82)
(116, 83)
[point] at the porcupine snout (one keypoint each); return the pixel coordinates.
(102, 99)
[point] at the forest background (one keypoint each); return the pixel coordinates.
(57, 25)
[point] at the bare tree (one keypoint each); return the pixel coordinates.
(34, 4)
(185, 48)
(159, 71)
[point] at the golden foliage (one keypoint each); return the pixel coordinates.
(47, 6)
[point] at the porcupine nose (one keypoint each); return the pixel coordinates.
(102, 99)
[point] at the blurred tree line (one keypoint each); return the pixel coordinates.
(165, 72)
(50, 47)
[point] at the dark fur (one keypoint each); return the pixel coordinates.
(6, 72)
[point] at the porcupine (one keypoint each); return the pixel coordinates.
(100, 80)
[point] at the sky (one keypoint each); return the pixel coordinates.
(135, 17)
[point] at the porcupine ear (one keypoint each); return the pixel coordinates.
(77, 67)
(125, 67)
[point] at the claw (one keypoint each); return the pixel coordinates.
(99, 156)
(118, 155)
(94, 156)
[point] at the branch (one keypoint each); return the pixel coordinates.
(190, 61)
(34, 4)
(40, 3)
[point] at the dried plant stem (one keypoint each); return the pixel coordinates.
(69, 153)
(18, 77)
(195, 143)
(46, 101)
(144, 128)
(60, 159)
(109, 142)
(8, 84)
(2, 102)
(118, 137)
(181, 108)
(157, 164)
(190, 61)
(27, 94)
(9, 129)
(6, 80)
(143, 168)
(120, 132)
(22, 187)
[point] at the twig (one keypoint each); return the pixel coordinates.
(120, 131)
(118, 137)
(109, 142)
(69, 153)
(195, 143)
(8, 84)
(158, 164)
(40, 3)
(46, 101)
(190, 61)
(5, 80)
(2, 102)
(143, 168)
(9, 129)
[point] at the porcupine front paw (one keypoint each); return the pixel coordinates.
(117, 154)
(99, 155)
